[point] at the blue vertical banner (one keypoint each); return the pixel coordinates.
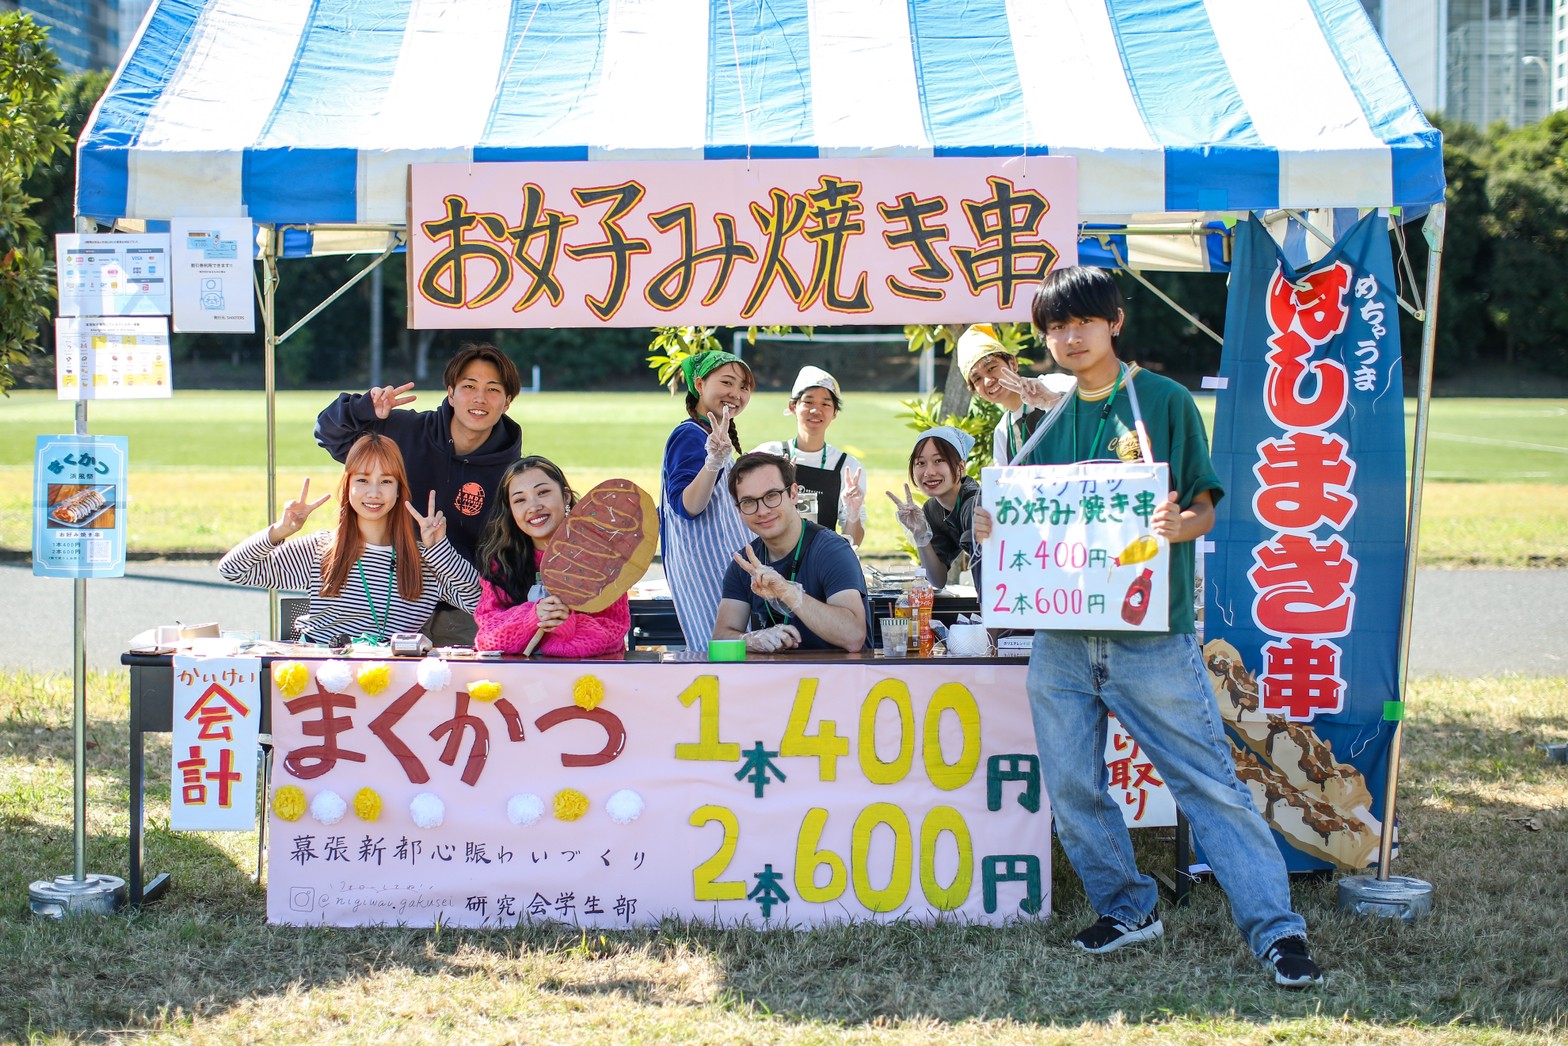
(79, 506)
(1304, 581)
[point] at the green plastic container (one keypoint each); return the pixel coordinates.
(727, 650)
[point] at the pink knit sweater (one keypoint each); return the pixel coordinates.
(508, 628)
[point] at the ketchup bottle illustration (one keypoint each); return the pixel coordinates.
(1136, 605)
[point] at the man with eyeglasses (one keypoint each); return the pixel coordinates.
(798, 585)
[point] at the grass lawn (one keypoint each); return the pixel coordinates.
(1497, 470)
(1483, 819)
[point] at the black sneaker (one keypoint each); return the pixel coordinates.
(1108, 934)
(1293, 965)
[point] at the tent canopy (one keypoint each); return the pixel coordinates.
(309, 112)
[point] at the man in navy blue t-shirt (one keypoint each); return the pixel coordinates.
(798, 585)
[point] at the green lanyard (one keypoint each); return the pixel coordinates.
(793, 571)
(1105, 412)
(379, 625)
(794, 448)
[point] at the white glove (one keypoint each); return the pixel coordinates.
(911, 518)
(772, 640)
(719, 447)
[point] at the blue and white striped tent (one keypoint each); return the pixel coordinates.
(307, 113)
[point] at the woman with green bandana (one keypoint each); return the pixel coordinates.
(699, 527)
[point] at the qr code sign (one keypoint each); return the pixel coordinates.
(99, 551)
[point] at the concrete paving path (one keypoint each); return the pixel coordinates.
(1467, 622)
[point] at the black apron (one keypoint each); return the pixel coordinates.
(828, 484)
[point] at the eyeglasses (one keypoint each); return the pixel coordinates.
(772, 499)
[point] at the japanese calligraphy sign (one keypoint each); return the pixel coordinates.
(1303, 608)
(823, 241)
(112, 358)
(1072, 547)
(1134, 782)
(217, 713)
(79, 506)
(616, 795)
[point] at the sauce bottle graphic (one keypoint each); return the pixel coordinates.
(1136, 605)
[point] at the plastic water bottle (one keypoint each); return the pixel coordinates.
(922, 598)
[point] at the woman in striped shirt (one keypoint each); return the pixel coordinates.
(372, 575)
(699, 526)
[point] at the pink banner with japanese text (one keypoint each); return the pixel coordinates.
(735, 242)
(615, 795)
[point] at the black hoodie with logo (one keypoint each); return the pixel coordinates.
(464, 484)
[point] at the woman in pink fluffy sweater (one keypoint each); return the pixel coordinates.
(513, 606)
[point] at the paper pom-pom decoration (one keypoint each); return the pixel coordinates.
(624, 807)
(525, 810)
(335, 676)
(427, 810)
(570, 804)
(328, 807)
(374, 677)
(288, 802)
(367, 804)
(588, 692)
(290, 677)
(484, 690)
(434, 674)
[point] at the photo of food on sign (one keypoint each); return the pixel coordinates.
(76, 506)
(1320, 804)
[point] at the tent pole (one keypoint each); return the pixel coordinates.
(269, 292)
(1436, 222)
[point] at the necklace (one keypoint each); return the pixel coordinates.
(794, 452)
(378, 625)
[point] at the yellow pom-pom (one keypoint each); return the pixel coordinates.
(484, 690)
(288, 802)
(373, 678)
(588, 692)
(367, 804)
(570, 804)
(290, 677)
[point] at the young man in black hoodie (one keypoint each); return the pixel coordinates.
(458, 450)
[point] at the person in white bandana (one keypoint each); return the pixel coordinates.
(835, 476)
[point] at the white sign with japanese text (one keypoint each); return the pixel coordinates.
(79, 506)
(739, 242)
(112, 358)
(217, 715)
(112, 274)
(214, 274)
(1073, 547)
(616, 795)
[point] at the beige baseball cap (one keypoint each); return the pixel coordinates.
(975, 344)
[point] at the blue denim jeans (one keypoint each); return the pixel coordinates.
(1156, 685)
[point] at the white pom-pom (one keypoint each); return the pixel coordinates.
(328, 807)
(434, 674)
(427, 809)
(525, 810)
(624, 807)
(336, 676)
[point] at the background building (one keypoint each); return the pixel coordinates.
(86, 34)
(1480, 61)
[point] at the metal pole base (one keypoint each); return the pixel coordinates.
(67, 895)
(1397, 897)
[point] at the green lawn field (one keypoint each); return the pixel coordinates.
(1497, 469)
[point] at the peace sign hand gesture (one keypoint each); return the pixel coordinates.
(718, 446)
(432, 525)
(911, 518)
(769, 583)
(295, 513)
(387, 397)
(1034, 393)
(854, 493)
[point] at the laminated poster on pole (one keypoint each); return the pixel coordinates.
(79, 506)
(1072, 547)
(112, 358)
(214, 274)
(112, 274)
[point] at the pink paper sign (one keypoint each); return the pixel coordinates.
(736, 242)
(762, 793)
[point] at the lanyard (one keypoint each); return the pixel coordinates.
(794, 570)
(794, 451)
(1105, 413)
(379, 625)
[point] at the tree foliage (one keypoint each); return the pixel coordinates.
(30, 135)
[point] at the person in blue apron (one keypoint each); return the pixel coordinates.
(990, 369)
(836, 477)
